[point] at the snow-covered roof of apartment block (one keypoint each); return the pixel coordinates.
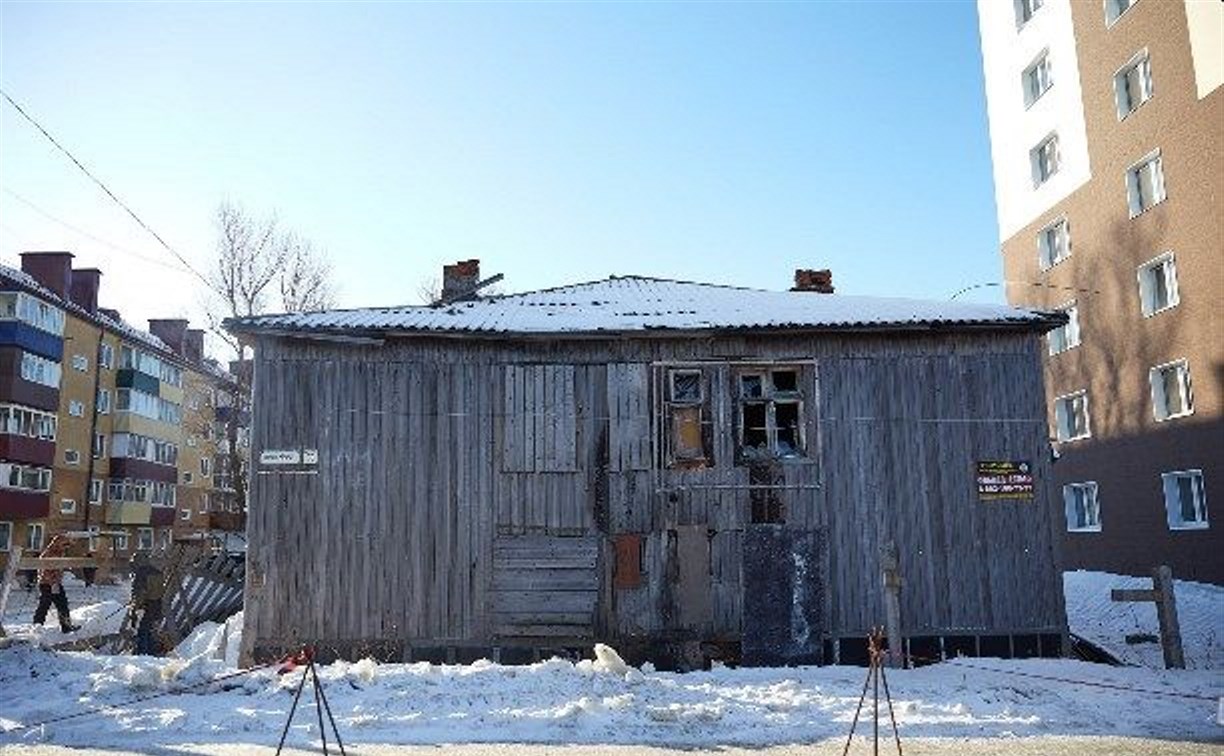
(628, 304)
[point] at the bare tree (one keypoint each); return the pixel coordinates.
(259, 268)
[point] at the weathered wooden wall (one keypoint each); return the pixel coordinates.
(443, 461)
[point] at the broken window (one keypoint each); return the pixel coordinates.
(770, 414)
(686, 421)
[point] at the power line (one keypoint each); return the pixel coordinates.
(88, 235)
(107, 190)
(1035, 284)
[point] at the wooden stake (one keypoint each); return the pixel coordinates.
(10, 574)
(890, 567)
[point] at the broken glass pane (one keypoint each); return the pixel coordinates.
(755, 434)
(751, 387)
(686, 387)
(787, 416)
(785, 380)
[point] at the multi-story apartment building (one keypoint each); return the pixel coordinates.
(105, 428)
(1107, 138)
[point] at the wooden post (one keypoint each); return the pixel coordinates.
(891, 576)
(1163, 595)
(6, 583)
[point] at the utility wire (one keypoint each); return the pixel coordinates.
(88, 235)
(986, 284)
(107, 190)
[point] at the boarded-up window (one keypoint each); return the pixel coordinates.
(628, 570)
(687, 434)
(540, 419)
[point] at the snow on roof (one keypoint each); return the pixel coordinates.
(626, 304)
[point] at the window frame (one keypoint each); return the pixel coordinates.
(1041, 172)
(1039, 62)
(36, 544)
(1142, 58)
(1058, 426)
(97, 487)
(1200, 492)
(770, 398)
(68, 506)
(1096, 506)
(1168, 261)
(1186, 388)
(1071, 307)
(1059, 222)
(72, 457)
(140, 539)
(1021, 7)
(1134, 195)
(1111, 18)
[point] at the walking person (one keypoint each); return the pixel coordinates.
(51, 587)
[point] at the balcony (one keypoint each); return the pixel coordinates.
(128, 513)
(234, 522)
(134, 379)
(23, 504)
(36, 451)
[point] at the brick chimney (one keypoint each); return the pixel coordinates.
(819, 281)
(459, 280)
(173, 331)
(194, 346)
(84, 288)
(51, 269)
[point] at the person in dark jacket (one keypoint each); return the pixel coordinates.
(51, 587)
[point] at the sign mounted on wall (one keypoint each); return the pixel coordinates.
(280, 457)
(998, 479)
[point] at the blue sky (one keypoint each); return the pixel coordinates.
(557, 142)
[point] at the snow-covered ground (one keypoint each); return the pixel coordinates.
(603, 702)
(1092, 615)
(592, 701)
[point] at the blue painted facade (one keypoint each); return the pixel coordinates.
(31, 339)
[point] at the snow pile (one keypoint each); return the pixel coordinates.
(213, 640)
(1092, 615)
(596, 701)
(98, 609)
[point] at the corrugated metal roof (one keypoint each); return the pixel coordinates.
(626, 304)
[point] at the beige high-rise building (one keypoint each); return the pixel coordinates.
(1107, 138)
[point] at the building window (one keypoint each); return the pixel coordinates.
(80, 362)
(40, 370)
(1145, 186)
(121, 542)
(102, 403)
(67, 506)
(1053, 244)
(99, 445)
(76, 409)
(106, 355)
(72, 457)
(204, 504)
(1083, 509)
(144, 539)
(165, 538)
(1185, 499)
(1066, 336)
(205, 466)
(1044, 160)
(24, 477)
(1071, 416)
(185, 515)
(1037, 79)
(16, 420)
(1171, 390)
(770, 414)
(1158, 285)
(6, 535)
(95, 491)
(1025, 10)
(17, 305)
(1133, 84)
(188, 477)
(1115, 8)
(34, 536)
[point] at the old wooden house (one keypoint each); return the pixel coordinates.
(685, 471)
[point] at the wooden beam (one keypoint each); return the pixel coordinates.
(1136, 594)
(56, 563)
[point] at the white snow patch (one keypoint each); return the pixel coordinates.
(1092, 615)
